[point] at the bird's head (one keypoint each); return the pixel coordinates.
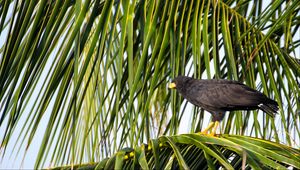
(179, 82)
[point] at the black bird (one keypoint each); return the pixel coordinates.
(218, 96)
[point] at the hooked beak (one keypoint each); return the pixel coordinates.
(172, 86)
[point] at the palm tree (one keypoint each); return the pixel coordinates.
(89, 78)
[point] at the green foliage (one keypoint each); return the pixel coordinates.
(194, 151)
(87, 78)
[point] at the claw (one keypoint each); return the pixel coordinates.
(211, 134)
(213, 126)
(205, 131)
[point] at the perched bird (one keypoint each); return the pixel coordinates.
(219, 96)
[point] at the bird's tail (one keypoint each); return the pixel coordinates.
(270, 107)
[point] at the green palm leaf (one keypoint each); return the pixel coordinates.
(87, 78)
(196, 151)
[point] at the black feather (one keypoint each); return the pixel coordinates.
(219, 96)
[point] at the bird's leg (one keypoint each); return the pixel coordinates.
(213, 131)
(210, 125)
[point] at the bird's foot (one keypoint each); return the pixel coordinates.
(211, 134)
(205, 133)
(211, 127)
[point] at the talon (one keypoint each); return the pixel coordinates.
(211, 134)
(205, 131)
(213, 126)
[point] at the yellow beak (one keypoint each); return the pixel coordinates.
(172, 85)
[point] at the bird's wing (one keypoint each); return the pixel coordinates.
(224, 96)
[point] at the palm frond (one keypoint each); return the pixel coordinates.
(193, 151)
(89, 77)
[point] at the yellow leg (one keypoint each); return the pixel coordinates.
(213, 131)
(210, 125)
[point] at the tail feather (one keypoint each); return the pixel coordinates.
(270, 107)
